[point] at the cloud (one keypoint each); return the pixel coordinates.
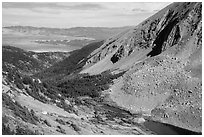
(83, 6)
(70, 14)
(52, 6)
(27, 5)
(139, 10)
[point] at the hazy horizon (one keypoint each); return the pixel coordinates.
(65, 27)
(79, 14)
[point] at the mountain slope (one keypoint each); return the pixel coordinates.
(29, 62)
(156, 34)
(71, 64)
(163, 60)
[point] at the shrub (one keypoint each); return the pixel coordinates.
(27, 80)
(4, 119)
(24, 131)
(85, 85)
(47, 123)
(60, 121)
(19, 85)
(61, 130)
(34, 92)
(20, 111)
(75, 127)
(6, 130)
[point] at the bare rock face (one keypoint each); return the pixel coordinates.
(160, 32)
(166, 82)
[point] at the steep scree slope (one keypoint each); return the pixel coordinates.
(163, 59)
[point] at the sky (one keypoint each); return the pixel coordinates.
(79, 14)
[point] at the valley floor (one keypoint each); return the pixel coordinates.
(90, 116)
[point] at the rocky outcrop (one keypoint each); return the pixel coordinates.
(159, 33)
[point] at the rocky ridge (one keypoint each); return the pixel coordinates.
(163, 60)
(158, 33)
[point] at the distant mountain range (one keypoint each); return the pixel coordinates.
(99, 33)
(55, 39)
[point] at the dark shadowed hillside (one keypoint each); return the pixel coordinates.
(29, 62)
(73, 63)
